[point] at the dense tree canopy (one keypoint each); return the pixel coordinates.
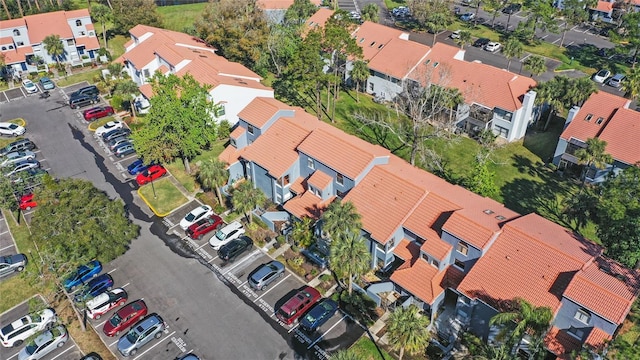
(129, 13)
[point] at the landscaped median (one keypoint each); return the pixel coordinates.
(164, 199)
(96, 124)
(18, 121)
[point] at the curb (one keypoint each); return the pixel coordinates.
(151, 207)
(18, 121)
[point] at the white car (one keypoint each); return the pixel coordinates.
(111, 125)
(104, 302)
(492, 46)
(15, 333)
(29, 86)
(601, 76)
(16, 157)
(44, 343)
(455, 34)
(22, 166)
(226, 234)
(11, 129)
(196, 214)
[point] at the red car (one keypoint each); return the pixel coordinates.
(204, 226)
(125, 317)
(298, 304)
(27, 202)
(97, 113)
(153, 172)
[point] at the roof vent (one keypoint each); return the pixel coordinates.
(203, 56)
(372, 43)
(380, 46)
(501, 218)
(427, 62)
(361, 40)
(600, 120)
(488, 211)
(508, 257)
(435, 64)
(588, 117)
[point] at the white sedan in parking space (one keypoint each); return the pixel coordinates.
(226, 234)
(111, 125)
(194, 215)
(29, 86)
(492, 46)
(16, 157)
(601, 76)
(11, 129)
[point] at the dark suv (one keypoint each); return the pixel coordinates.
(90, 90)
(81, 100)
(234, 248)
(20, 145)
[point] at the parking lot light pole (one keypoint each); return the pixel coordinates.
(154, 190)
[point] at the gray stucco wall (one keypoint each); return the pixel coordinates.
(566, 319)
(472, 255)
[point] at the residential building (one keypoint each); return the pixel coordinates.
(22, 47)
(150, 50)
(457, 255)
(606, 117)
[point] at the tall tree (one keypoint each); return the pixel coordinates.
(6, 9)
(464, 38)
(493, 7)
(359, 75)
(435, 15)
(482, 180)
(632, 84)
(407, 330)
(54, 47)
(130, 90)
(575, 12)
(528, 319)
(177, 125)
(371, 12)
(213, 174)
(299, 12)
(535, 64)
(512, 48)
(593, 156)
(282, 47)
(631, 34)
(542, 17)
(349, 257)
(238, 29)
(126, 14)
(8, 199)
(246, 198)
(341, 218)
(102, 13)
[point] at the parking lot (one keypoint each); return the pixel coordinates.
(69, 351)
(7, 244)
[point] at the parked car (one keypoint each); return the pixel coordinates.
(46, 83)
(492, 46)
(27, 202)
(138, 166)
(512, 9)
(141, 334)
(19, 145)
(76, 102)
(30, 176)
(319, 315)
(12, 263)
(298, 304)
(94, 288)
(189, 357)
(455, 34)
(11, 129)
(22, 166)
(116, 133)
(111, 125)
(83, 274)
(204, 226)
(481, 42)
(97, 112)
(16, 332)
(233, 248)
(226, 234)
(265, 274)
(152, 173)
(616, 81)
(125, 317)
(17, 156)
(92, 356)
(44, 343)
(124, 149)
(105, 302)
(90, 90)
(195, 215)
(467, 16)
(114, 143)
(29, 86)
(601, 76)
(316, 256)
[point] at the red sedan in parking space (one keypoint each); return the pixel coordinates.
(125, 317)
(27, 202)
(153, 172)
(97, 112)
(204, 226)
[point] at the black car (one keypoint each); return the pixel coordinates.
(116, 133)
(512, 9)
(90, 90)
(234, 248)
(481, 42)
(78, 101)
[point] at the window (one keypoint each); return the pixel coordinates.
(575, 332)
(600, 120)
(371, 87)
(583, 316)
(20, 43)
(146, 72)
(504, 132)
(220, 110)
(82, 33)
(250, 129)
(78, 22)
(284, 180)
(339, 179)
(503, 114)
(435, 263)
(462, 248)
(588, 117)
(391, 243)
(373, 43)
(16, 32)
(4, 48)
(459, 264)
(310, 163)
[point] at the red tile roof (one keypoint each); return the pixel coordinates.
(280, 4)
(230, 155)
(424, 218)
(13, 23)
(560, 342)
(398, 57)
(407, 250)
(319, 18)
(74, 14)
(370, 36)
(299, 186)
(621, 134)
(537, 252)
(468, 231)
(237, 132)
(421, 279)
(146, 90)
(597, 339)
(320, 180)
(17, 55)
(437, 247)
(307, 205)
(45, 24)
(599, 104)
(89, 42)
(599, 289)
(604, 6)
(261, 110)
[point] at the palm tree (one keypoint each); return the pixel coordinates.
(340, 219)
(54, 47)
(213, 174)
(551, 93)
(246, 198)
(594, 155)
(464, 38)
(407, 330)
(349, 257)
(454, 98)
(632, 84)
(6, 9)
(130, 89)
(535, 64)
(103, 14)
(359, 74)
(347, 354)
(371, 12)
(489, 352)
(579, 90)
(512, 48)
(528, 319)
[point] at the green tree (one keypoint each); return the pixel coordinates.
(438, 16)
(631, 34)
(129, 89)
(246, 198)
(575, 12)
(299, 12)
(535, 64)
(512, 48)
(349, 257)
(302, 232)
(359, 75)
(346, 354)
(493, 7)
(340, 219)
(527, 318)
(103, 14)
(488, 352)
(632, 84)
(482, 180)
(506, 27)
(407, 330)
(7, 198)
(542, 16)
(593, 156)
(126, 14)
(464, 38)
(371, 12)
(177, 125)
(213, 174)
(54, 47)
(282, 47)
(238, 29)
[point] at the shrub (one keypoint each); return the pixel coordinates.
(325, 277)
(281, 239)
(116, 102)
(359, 306)
(224, 129)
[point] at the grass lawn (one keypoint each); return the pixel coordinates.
(96, 124)
(87, 75)
(390, 4)
(19, 121)
(367, 350)
(168, 197)
(116, 45)
(188, 181)
(179, 17)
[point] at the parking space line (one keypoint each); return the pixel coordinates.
(201, 246)
(57, 356)
(271, 288)
(168, 337)
(125, 285)
(2, 233)
(242, 261)
(7, 247)
(209, 262)
(246, 281)
(16, 354)
(112, 271)
(326, 332)
(113, 343)
(293, 328)
(100, 324)
(126, 158)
